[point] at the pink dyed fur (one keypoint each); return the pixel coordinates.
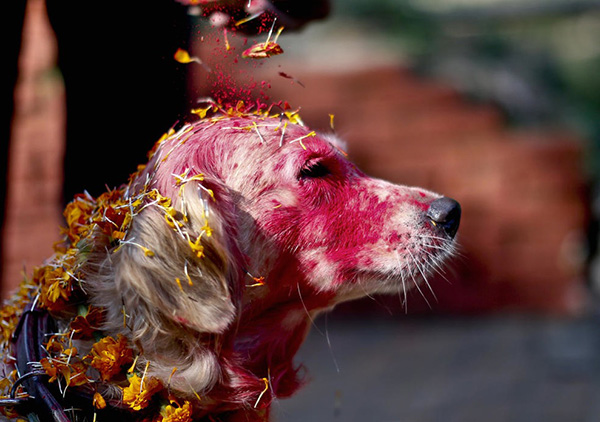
(293, 210)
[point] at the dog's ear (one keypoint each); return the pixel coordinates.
(178, 269)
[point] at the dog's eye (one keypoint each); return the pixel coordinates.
(314, 170)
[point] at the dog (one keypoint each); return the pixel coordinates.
(188, 291)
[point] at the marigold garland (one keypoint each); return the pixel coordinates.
(173, 412)
(139, 392)
(109, 356)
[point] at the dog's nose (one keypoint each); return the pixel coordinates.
(445, 213)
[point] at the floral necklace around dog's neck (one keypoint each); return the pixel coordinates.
(58, 288)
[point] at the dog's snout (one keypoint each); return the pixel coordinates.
(445, 213)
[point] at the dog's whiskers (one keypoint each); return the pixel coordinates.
(414, 280)
(430, 236)
(416, 284)
(365, 291)
(422, 271)
(312, 321)
(438, 269)
(403, 292)
(434, 260)
(337, 368)
(452, 248)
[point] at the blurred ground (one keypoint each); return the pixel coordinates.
(524, 219)
(505, 368)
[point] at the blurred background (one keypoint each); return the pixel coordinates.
(492, 102)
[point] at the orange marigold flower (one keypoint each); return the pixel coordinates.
(112, 217)
(58, 281)
(52, 368)
(173, 412)
(55, 345)
(72, 373)
(110, 355)
(76, 214)
(78, 375)
(138, 395)
(84, 326)
(99, 402)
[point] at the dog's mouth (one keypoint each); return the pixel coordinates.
(412, 262)
(406, 270)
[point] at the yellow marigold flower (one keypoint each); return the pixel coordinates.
(9, 316)
(172, 216)
(147, 251)
(196, 247)
(119, 235)
(5, 386)
(175, 413)
(201, 112)
(162, 201)
(110, 355)
(293, 117)
(207, 229)
(57, 290)
(182, 56)
(137, 395)
(54, 296)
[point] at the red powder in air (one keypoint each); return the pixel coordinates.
(231, 77)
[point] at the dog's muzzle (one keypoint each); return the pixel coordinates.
(445, 213)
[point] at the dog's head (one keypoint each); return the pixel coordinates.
(246, 226)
